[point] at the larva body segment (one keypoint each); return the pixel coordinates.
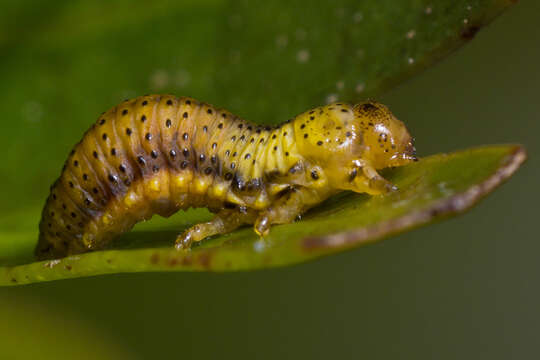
(158, 154)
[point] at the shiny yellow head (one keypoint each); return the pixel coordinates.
(385, 139)
(344, 140)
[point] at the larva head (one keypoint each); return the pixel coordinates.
(341, 138)
(385, 139)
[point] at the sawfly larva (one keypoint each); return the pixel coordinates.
(158, 154)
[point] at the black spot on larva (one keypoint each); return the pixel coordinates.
(168, 123)
(202, 158)
(286, 153)
(243, 137)
(348, 134)
(154, 154)
(205, 128)
(75, 163)
(113, 152)
(274, 136)
(87, 201)
(234, 154)
(233, 165)
(68, 227)
(122, 168)
(155, 168)
(113, 178)
(143, 118)
(169, 102)
(228, 176)
(285, 133)
(312, 118)
(148, 136)
(52, 213)
(128, 131)
(172, 153)
(353, 174)
(233, 138)
(127, 182)
(227, 153)
(305, 136)
(213, 159)
(240, 126)
(275, 148)
(208, 170)
(188, 102)
(302, 126)
(368, 107)
(209, 111)
(95, 154)
(247, 156)
(254, 161)
(261, 141)
(258, 131)
(184, 164)
(73, 215)
(85, 177)
(124, 112)
(185, 136)
(64, 206)
(185, 115)
(214, 145)
(95, 190)
(102, 122)
(54, 196)
(228, 205)
(319, 142)
(104, 136)
(185, 152)
(344, 110)
(141, 160)
(71, 184)
(220, 126)
(314, 175)
(144, 103)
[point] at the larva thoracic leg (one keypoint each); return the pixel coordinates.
(158, 154)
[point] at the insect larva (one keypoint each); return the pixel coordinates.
(158, 154)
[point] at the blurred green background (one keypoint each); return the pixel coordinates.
(464, 288)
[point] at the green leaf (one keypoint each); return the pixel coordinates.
(433, 188)
(266, 62)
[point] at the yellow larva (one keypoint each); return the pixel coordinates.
(158, 154)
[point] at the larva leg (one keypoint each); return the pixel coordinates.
(224, 222)
(376, 184)
(284, 211)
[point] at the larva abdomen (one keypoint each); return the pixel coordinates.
(132, 142)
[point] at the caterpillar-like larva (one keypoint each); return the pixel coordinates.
(158, 154)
